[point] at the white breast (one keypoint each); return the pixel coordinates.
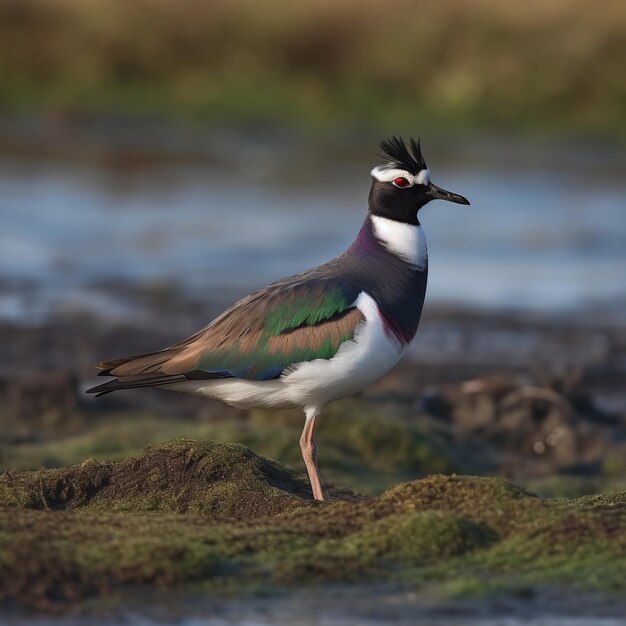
(370, 355)
(404, 240)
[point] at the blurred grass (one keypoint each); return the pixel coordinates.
(554, 64)
(366, 448)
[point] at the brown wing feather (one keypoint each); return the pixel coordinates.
(184, 359)
(241, 324)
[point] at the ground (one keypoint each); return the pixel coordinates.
(226, 521)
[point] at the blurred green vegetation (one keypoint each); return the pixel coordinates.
(365, 446)
(552, 64)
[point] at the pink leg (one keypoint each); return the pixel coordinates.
(309, 454)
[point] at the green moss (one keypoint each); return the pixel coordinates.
(219, 479)
(417, 538)
(203, 512)
(608, 501)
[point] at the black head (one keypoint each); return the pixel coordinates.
(402, 185)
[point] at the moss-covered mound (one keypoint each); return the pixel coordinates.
(229, 521)
(222, 480)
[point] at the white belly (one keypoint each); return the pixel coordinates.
(357, 363)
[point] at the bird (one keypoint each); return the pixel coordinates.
(320, 335)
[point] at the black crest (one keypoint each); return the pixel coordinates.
(396, 151)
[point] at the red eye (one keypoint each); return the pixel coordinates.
(401, 182)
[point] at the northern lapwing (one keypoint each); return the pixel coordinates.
(320, 335)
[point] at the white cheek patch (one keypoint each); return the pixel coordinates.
(386, 175)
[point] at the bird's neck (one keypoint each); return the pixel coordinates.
(406, 241)
(388, 260)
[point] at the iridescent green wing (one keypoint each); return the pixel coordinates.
(278, 330)
(262, 335)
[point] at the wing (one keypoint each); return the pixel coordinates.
(295, 320)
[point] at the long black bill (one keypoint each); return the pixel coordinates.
(437, 193)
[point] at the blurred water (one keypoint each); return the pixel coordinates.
(333, 620)
(340, 605)
(536, 237)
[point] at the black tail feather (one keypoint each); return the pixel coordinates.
(134, 382)
(152, 380)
